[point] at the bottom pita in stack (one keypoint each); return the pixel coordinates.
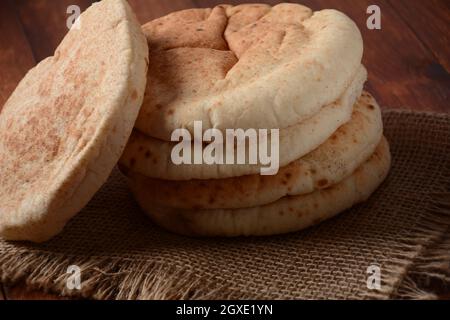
(288, 214)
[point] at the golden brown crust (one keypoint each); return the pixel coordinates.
(66, 124)
(288, 214)
(277, 66)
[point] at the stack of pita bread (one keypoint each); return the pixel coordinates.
(67, 124)
(256, 66)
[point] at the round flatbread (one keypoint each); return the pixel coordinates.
(152, 157)
(288, 214)
(349, 147)
(248, 66)
(66, 124)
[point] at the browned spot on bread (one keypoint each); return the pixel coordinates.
(158, 106)
(291, 209)
(148, 154)
(141, 148)
(211, 200)
(316, 205)
(134, 95)
(281, 212)
(132, 162)
(371, 107)
(46, 85)
(313, 171)
(288, 175)
(170, 112)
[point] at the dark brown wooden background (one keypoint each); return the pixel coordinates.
(408, 59)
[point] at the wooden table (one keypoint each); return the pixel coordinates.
(408, 59)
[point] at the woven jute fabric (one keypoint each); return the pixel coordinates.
(403, 229)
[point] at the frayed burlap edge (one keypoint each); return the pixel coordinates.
(426, 256)
(119, 278)
(419, 265)
(429, 262)
(109, 278)
(432, 268)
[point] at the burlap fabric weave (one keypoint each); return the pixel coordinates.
(403, 228)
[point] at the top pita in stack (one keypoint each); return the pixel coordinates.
(65, 126)
(260, 67)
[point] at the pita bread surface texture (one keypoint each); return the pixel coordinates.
(348, 148)
(289, 214)
(66, 124)
(246, 66)
(151, 157)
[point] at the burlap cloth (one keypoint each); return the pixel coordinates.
(403, 228)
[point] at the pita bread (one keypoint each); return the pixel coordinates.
(288, 214)
(249, 66)
(152, 157)
(349, 147)
(66, 124)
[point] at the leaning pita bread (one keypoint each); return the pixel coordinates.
(152, 157)
(285, 215)
(66, 124)
(248, 66)
(349, 147)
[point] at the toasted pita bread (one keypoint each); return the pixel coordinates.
(249, 66)
(152, 157)
(66, 124)
(288, 214)
(349, 147)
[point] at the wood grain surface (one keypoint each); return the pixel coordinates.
(408, 60)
